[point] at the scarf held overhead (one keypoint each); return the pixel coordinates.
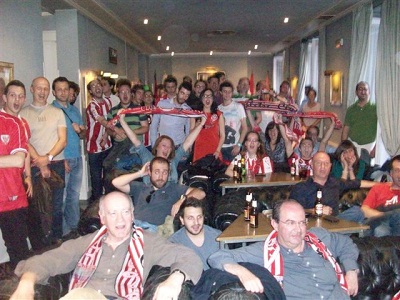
(290, 110)
(151, 110)
(273, 260)
(129, 282)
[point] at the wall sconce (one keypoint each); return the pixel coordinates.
(336, 88)
(338, 43)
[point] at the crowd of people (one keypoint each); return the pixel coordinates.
(134, 167)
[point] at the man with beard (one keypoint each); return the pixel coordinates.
(154, 201)
(98, 142)
(175, 127)
(194, 234)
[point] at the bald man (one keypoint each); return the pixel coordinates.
(306, 192)
(48, 140)
(120, 271)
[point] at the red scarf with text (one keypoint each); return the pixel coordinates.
(273, 260)
(129, 282)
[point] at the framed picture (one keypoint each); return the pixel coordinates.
(336, 88)
(203, 75)
(112, 55)
(6, 71)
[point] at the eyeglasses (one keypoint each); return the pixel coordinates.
(207, 96)
(292, 223)
(148, 198)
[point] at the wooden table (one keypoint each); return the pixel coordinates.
(241, 232)
(270, 179)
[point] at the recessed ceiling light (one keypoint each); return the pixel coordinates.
(255, 47)
(167, 48)
(172, 53)
(145, 21)
(114, 76)
(159, 38)
(249, 52)
(211, 53)
(286, 20)
(107, 74)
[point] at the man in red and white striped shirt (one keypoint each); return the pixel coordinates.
(98, 141)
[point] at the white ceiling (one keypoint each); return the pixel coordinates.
(185, 25)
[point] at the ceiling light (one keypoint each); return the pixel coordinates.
(286, 20)
(172, 53)
(211, 53)
(167, 48)
(159, 38)
(106, 74)
(255, 47)
(249, 52)
(114, 76)
(145, 21)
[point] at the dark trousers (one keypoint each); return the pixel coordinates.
(96, 173)
(15, 232)
(57, 198)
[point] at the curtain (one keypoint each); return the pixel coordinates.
(303, 68)
(362, 18)
(388, 75)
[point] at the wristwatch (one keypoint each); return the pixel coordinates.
(50, 157)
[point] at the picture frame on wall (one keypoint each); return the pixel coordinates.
(6, 71)
(112, 55)
(203, 75)
(336, 88)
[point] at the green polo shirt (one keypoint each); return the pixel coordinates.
(362, 123)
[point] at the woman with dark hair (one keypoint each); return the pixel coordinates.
(346, 163)
(163, 147)
(278, 146)
(310, 106)
(256, 160)
(212, 135)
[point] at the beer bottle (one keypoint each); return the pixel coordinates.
(235, 170)
(244, 170)
(318, 204)
(239, 171)
(254, 214)
(247, 206)
(293, 167)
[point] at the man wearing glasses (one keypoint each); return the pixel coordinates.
(303, 262)
(155, 201)
(306, 192)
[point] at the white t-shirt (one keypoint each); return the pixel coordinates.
(233, 114)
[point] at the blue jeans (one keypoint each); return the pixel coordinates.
(389, 224)
(73, 182)
(96, 173)
(354, 214)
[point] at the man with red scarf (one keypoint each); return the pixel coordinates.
(111, 261)
(303, 262)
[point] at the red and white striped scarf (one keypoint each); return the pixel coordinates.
(129, 282)
(152, 110)
(273, 260)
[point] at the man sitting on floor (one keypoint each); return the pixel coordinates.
(194, 234)
(155, 201)
(110, 261)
